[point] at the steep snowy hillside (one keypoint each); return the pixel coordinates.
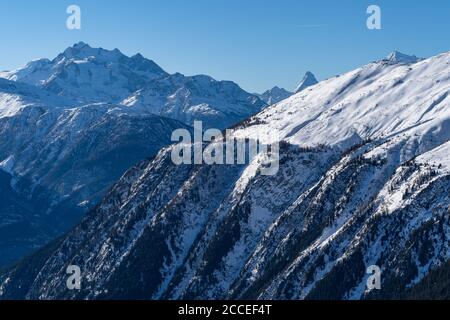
(381, 100)
(363, 180)
(95, 75)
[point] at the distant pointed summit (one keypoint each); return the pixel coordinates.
(398, 57)
(308, 80)
(277, 94)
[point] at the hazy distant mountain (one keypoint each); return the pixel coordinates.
(275, 95)
(363, 180)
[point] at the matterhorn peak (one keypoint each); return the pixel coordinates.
(398, 57)
(308, 80)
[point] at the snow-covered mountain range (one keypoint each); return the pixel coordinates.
(94, 75)
(71, 126)
(364, 180)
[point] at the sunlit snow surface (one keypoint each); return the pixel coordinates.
(380, 100)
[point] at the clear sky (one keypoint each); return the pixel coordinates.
(256, 43)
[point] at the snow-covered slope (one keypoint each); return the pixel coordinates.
(363, 180)
(378, 101)
(398, 57)
(15, 96)
(219, 104)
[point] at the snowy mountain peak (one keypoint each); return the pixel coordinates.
(80, 44)
(398, 57)
(275, 95)
(81, 53)
(82, 50)
(89, 75)
(308, 80)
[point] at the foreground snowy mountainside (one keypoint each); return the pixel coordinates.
(382, 100)
(363, 179)
(94, 75)
(218, 104)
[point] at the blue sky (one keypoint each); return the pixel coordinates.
(257, 44)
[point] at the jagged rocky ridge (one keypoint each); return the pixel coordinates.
(363, 179)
